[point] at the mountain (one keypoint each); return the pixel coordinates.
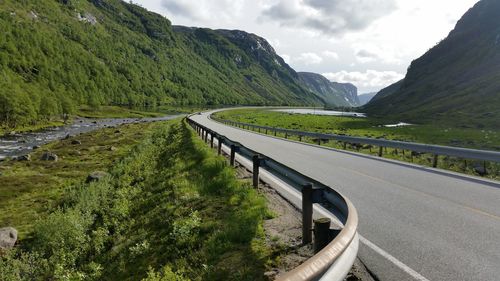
(365, 98)
(458, 80)
(333, 93)
(56, 55)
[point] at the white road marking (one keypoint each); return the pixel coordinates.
(392, 259)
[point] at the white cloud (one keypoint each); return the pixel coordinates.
(204, 10)
(308, 58)
(332, 17)
(331, 55)
(286, 58)
(368, 80)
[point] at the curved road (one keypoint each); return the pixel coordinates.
(416, 223)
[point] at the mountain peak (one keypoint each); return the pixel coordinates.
(336, 94)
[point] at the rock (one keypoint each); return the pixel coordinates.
(12, 133)
(117, 131)
(49, 156)
(8, 238)
(270, 275)
(67, 137)
(480, 169)
(26, 157)
(112, 148)
(76, 142)
(96, 176)
(32, 15)
(36, 147)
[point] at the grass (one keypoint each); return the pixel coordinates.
(30, 190)
(439, 134)
(170, 210)
(34, 127)
(115, 112)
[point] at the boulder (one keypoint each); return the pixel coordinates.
(8, 238)
(36, 147)
(480, 169)
(49, 156)
(96, 176)
(76, 142)
(26, 157)
(112, 148)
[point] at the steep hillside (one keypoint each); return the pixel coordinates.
(457, 80)
(365, 98)
(57, 55)
(333, 93)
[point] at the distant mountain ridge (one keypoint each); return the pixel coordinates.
(458, 80)
(365, 98)
(333, 93)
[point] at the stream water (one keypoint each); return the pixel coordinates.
(23, 143)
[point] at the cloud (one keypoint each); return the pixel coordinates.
(286, 58)
(332, 17)
(308, 59)
(365, 56)
(331, 55)
(370, 79)
(204, 10)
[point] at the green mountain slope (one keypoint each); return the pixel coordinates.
(333, 93)
(58, 55)
(458, 80)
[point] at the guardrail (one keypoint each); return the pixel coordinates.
(466, 153)
(329, 244)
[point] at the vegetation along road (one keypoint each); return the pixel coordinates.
(428, 133)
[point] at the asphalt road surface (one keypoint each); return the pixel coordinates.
(416, 223)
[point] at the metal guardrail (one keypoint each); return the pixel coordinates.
(466, 153)
(312, 192)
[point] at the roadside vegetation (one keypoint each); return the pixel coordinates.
(486, 139)
(170, 209)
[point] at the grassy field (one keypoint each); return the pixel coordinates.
(373, 128)
(170, 210)
(30, 190)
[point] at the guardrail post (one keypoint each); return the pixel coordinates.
(212, 140)
(266, 131)
(323, 235)
(233, 154)
(300, 137)
(380, 151)
(206, 136)
(286, 135)
(435, 161)
(219, 145)
(256, 164)
(319, 141)
(345, 145)
(307, 213)
(274, 132)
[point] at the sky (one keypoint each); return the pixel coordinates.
(369, 43)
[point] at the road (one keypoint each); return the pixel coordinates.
(416, 223)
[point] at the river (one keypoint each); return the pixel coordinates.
(23, 143)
